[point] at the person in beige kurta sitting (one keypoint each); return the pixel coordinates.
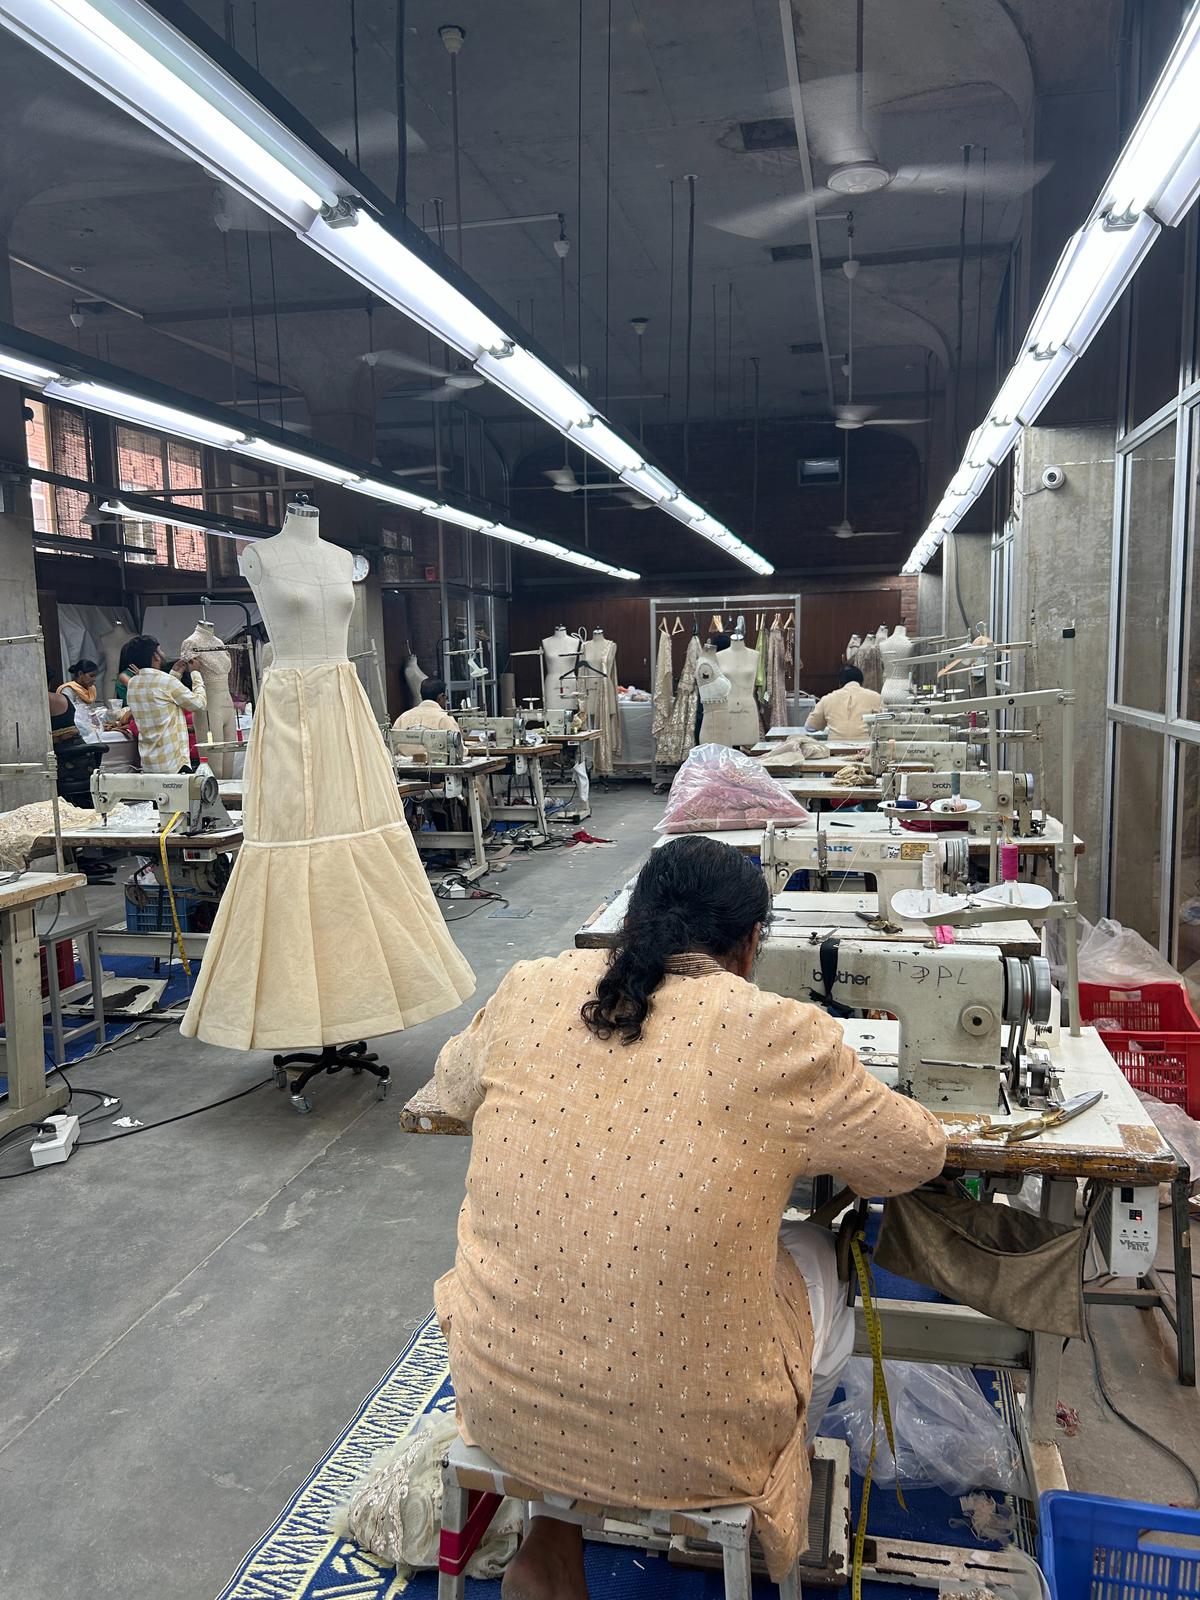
(431, 713)
(627, 1322)
(842, 712)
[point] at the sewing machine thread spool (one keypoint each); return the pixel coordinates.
(955, 785)
(930, 873)
(1009, 860)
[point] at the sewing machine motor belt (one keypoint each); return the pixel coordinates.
(1009, 1264)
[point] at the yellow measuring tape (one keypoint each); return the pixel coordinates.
(162, 850)
(879, 1402)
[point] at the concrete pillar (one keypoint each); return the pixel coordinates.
(966, 582)
(929, 604)
(1062, 557)
(24, 711)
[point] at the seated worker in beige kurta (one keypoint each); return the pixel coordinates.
(431, 713)
(844, 711)
(626, 1323)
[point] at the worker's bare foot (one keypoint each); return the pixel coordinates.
(549, 1564)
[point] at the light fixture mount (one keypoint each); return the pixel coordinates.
(858, 177)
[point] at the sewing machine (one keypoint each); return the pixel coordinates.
(1008, 795)
(506, 733)
(555, 723)
(894, 863)
(946, 753)
(440, 747)
(196, 795)
(951, 1004)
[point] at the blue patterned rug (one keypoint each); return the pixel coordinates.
(300, 1559)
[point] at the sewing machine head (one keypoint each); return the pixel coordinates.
(196, 795)
(1008, 795)
(895, 862)
(952, 1005)
(555, 721)
(943, 753)
(504, 732)
(437, 747)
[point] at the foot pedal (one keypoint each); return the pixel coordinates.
(826, 1562)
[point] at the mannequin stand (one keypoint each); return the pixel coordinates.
(333, 1058)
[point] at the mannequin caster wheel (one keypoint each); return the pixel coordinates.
(382, 1088)
(302, 1103)
(280, 1076)
(356, 1071)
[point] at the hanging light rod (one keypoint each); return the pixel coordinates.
(1153, 186)
(162, 65)
(66, 375)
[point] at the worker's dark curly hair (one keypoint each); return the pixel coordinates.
(694, 894)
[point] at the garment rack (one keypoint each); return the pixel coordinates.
(723, 602)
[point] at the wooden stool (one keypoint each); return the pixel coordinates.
(473, 1487)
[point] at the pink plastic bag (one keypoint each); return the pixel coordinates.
(717, 788)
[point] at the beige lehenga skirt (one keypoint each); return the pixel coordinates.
(328, 930)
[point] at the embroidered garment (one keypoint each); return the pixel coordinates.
(680, 733)
(663, 696)
(623, 1325)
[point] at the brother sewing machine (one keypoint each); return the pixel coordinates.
(894, 862)
(944, 752)
(196, 795)
(440, 747)
(506, 733)
(952, 1006)
(1007, 795)
(556, 722)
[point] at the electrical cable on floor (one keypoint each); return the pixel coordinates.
(1135, 1427)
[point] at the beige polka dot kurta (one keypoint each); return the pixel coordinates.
(622, 1324)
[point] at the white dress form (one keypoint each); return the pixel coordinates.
(740, 665)
(560, 656)
(897, 682)
(851, 649)
(206, 653)
(414, 677)
(328, 930)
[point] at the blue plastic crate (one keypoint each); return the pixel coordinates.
(149, 911)
(1093, 1548)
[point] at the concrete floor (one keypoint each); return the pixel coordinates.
(190, 1317)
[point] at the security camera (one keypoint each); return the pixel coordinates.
(1053, 478)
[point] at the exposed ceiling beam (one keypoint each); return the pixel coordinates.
(892, 258)
(156, 319)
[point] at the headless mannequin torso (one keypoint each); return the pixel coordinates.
(305, 590)
(205, 652)
(111, 645)
(560, 654)
(895, 650)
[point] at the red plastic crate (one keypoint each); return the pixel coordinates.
(1157, 1045)
(64, 955)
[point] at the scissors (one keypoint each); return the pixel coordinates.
(1052, 1117)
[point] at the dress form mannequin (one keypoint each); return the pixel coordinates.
(111, 645)
(204, 651)
(414, 676)
(734, 719)
(895, 650)
(598, 695)
(328, 930)
(851, 649)
(560, 655)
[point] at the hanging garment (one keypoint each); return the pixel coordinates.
(598, 698)
(869, 661)
(680, 733)
(328, 929)
(776, 695)
(663, 692)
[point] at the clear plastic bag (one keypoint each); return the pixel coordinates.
(948, 1435)
(1116, 955)
(717, 787)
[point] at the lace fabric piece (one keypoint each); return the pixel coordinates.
(20, 828)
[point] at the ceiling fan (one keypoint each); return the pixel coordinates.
(848, 416)
(565, 480)
(455, 381)
(837, 129)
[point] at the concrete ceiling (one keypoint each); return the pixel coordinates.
(107, 210)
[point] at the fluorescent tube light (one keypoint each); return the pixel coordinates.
(547, 547)
(1091, 276)
(652, 484)
(684, 509)
(991, 442)
(510, 535)
(393, 494)
(1159, 168)
(1029, 385)
(532, 383)
(122, 49)
(968, 482)
(118, 508)
(309, 466)
(464, 519)
(352, 239)
(136, 408)
(599, 440)
(22, 371)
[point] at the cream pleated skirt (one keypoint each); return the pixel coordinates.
(328, 930)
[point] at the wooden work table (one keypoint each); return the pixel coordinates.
(29, 1098)
(870, 825)
(464, 781)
